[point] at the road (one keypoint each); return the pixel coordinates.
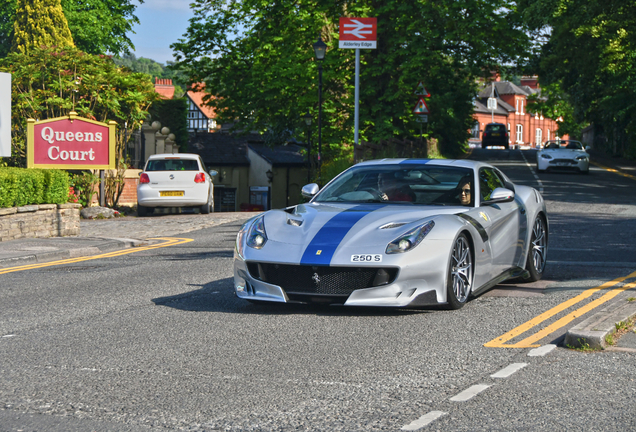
(156, 340)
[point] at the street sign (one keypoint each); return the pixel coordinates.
(492, 103)
(421, 107)
(5, 114)
(421, 90)
(358, 33)
(421, 118)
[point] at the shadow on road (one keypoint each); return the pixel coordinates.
(218, 296)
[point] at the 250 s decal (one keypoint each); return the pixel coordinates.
(366, 258)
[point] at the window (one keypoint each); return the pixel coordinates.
(488, 182)
(475, 130)
(521, 112)
(519, 133)
(548, 136)
(537, 137)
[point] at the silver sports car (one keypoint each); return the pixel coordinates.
(396, 233)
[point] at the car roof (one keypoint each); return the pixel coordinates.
(174, 155)
(461, 163)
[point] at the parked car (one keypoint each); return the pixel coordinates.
(445, 231)
(175, 180)
(495, 134)
(563, 155)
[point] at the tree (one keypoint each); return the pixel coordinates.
(40, 23)
(50, 82)
(588, 49)
(256, 58)
(101, 26)
(97, 26)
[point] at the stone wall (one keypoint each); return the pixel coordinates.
(44, 220)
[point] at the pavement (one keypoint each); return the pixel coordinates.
(108, 235)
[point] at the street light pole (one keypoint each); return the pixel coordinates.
(320, 49)
(308, 119)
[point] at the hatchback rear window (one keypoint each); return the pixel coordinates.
(495, 128)
(172, 165)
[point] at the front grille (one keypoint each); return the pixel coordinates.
(321, 280)
(566, 161)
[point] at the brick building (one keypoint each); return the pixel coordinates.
(525, 128)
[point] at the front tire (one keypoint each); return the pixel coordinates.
(537, 250)
(460, 273)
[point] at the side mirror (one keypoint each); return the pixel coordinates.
(308, 191)
(500, 195)
(213, 173)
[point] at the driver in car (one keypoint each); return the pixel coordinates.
(391, 189)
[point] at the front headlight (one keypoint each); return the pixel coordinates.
(546, 156)
(581, 158)
(409, 240)
(257, 236)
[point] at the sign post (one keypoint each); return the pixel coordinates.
(356, 33)
(421, 110)
(5, 114)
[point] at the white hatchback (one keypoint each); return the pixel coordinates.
(175, 180)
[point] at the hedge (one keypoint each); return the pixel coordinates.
(21, 186)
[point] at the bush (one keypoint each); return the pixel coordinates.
(20, 186)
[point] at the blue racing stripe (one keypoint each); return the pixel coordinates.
(414, 161)
(324, 244)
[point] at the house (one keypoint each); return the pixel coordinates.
(164, 87)
(525, 129)
(200, 116)
(251, 175)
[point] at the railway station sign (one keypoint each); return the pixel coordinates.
(70, 142)
(358, 33)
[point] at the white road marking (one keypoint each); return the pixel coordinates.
(469, 393)
(8, 336)
(536, 176)
(425, 420)
(541, 351)
(509, 370)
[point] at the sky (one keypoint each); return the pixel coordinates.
(162, 22)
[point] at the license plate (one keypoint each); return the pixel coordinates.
(170, 193)
(366, 258)
(562, 164)
(495, 134)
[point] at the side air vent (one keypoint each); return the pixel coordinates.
(392, 225)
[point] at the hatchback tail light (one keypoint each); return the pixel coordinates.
(199, 178)
(143, 178)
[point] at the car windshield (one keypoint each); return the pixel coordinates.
(172, 165)
(570, 145)
(410, 184)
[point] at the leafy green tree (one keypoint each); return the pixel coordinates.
(40, 23)
(588, 49)
(256, 57)
(101, 26)
(97, 26)
(50, 82)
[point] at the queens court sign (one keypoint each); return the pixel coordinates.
(70, 142)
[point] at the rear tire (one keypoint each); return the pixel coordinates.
(144, 211)
(460, 273)
(206, 208)
(537, 250)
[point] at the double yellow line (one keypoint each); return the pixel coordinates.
(168, 241)
(530, 341)
(614, 170)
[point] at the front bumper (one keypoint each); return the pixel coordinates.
(405, 290)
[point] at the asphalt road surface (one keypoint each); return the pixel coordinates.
(156, 340)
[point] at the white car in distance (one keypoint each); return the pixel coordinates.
(175, 180)
(563, 155)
